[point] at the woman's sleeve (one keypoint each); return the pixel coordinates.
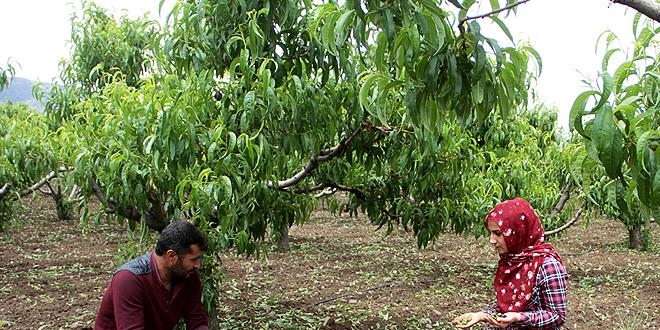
(491, 309)
(553, 288)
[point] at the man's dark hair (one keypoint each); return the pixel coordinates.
(179, 236)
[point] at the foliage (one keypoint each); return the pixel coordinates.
(617, 163)
(237, 111)
(27, 155)
(621, 129)
(103, 47)
(6, 75)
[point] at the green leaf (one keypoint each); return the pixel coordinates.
(340, 26)
(577, 111)
(226, 184)
(655, 192)
(389, 27)
(607, 91)
(608, 140)
(621, 74)
(456, 3)
(366, 88)
(249, 101)
(606, 58)
(502, 26)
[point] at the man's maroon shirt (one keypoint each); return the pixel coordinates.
(137, 299)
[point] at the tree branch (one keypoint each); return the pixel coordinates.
(324, 156)
(326, 192)
(563, 198)
(4, 190)
(507, 7)
(649, 8)
(334, 187)
(154, 218)
(110, 207)
(43, 192)
(37, 185)
(566, 225)
(74, 193)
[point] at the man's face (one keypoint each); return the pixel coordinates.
(187, 264)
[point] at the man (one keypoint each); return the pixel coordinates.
(156, 290)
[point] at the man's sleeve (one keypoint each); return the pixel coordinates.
(127, 295)
(195, 315)
(552, 292)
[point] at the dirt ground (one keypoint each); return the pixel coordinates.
(340, 274)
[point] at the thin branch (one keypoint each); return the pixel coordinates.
(154, 218)
(4, 190)
(52, 191)
(98, 192)
(563, 198)
(37, 185)
(324, 156)
(327, 191)
(566, 225)
(507, 7)
(74, 192)
(333, 186)
(43, 192)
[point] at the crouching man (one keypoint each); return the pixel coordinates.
(156, 290)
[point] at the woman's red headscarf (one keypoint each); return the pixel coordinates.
(516, 272)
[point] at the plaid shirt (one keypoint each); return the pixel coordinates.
(547, 308)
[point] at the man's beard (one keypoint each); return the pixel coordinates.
(179, 273)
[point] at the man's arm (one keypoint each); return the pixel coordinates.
(127, 296)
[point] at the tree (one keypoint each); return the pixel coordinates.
(26, 156)
(243, 110)
(103, 48)
(620, 131)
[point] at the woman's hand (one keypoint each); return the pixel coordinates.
(503, 320)
(468, 319)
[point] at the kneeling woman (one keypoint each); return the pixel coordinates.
(530, 281)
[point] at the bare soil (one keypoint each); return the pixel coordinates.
(340, 274)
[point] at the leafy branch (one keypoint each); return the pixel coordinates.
(507, 7)
(323, 156)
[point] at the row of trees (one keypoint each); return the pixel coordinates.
(235, 114)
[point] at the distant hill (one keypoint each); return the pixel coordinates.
(20, 91)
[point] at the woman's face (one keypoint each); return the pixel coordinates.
(497, 238)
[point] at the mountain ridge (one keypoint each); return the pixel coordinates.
(20, 91)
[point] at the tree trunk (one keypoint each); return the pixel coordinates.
(283, 239)
(64, 209)
(635, 237)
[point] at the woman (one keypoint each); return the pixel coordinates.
(530, 281)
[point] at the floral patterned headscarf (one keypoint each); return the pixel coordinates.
(524, 237)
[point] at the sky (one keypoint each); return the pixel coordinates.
(35, 33)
